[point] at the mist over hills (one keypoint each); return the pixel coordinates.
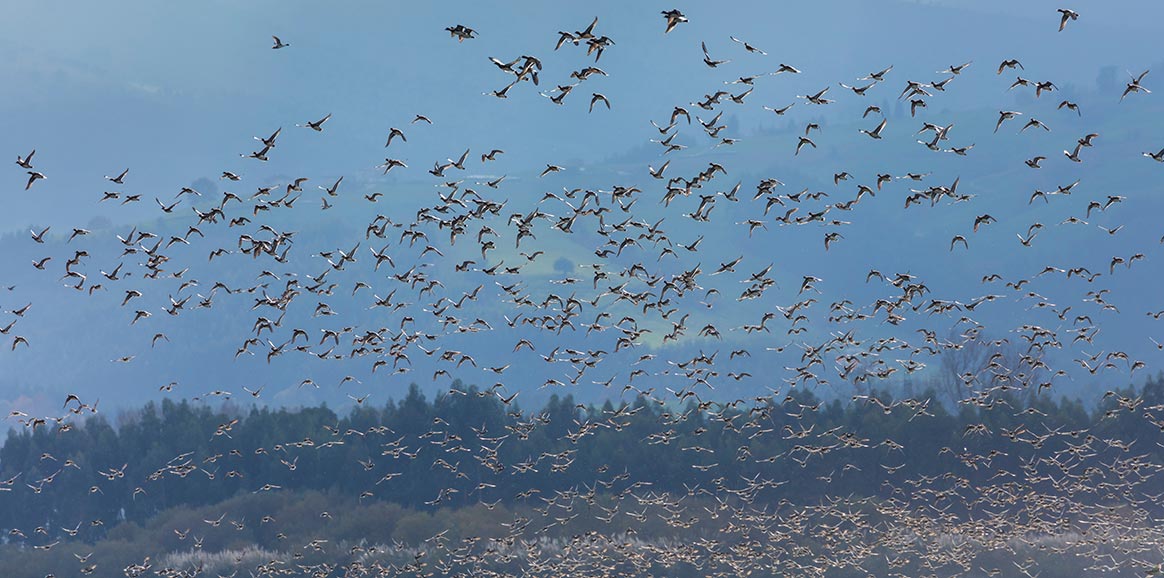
(83, 90)
(91, 100)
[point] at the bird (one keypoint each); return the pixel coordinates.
(1003, 116)
(875, 133)
(258, 155)
(673, 18)
(859, 90)
(394, 133)
(551, 169)
(459, 163)
(269, 142)
(598, 97)
(390, 164)
(39, 237)
(780, 111)
(1134, 85)
(25, 162)
(316, 126)
(278, 43)
(1034, 122)
(816, 98)
(1019, 81)
(748, 47)
(501, 92)
(1070, 106)
(1157, 156)
(658, 173)
(803, 141)
(878, 76)
(1066, 16)
(332, 190)
(33, 176)
(1073, 156)
(1010, 63)
(707, 57)
(461, 33)
(587, 72)
(982, 220)
(1046, 86)
(956, 69)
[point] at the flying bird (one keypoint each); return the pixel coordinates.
(748, 47)
(875, 133)
(394, 133)
(1003, 116)
(26, 161)
(1134, 85)
(33, 176)
(461, 33)
(1010, 63)
(673, 18)
(316, 126)
(707, 57)
(598, 97)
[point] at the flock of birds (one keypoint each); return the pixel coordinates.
(647, 283)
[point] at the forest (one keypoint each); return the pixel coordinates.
(166, 478)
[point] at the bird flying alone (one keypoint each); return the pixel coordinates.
(748, 47)
(316, 126)
(1133, 86)
(25, 162)
(876, 133)
(395, 133)
(803, 141)
(673, 18)
(33, 177)
(461, 33)
(598, 97)
(707, 57)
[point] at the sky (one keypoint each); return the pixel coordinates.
(176, 93)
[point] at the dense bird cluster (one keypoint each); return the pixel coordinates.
(647, 315)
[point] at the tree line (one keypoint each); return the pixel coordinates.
(470, 448)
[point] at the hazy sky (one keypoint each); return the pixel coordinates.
(176, 92)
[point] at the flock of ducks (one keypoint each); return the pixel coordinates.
(648, 287)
